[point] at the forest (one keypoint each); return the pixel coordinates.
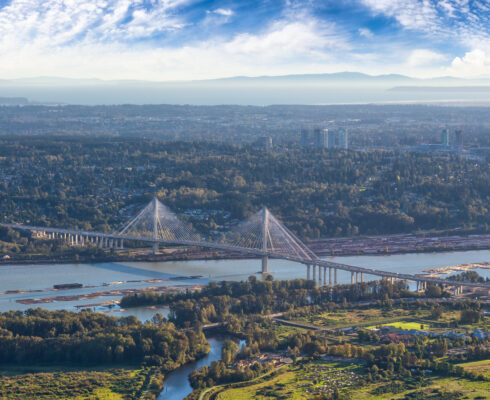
(86, 338)
(101, 183)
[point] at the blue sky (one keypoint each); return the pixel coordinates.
(190, 39)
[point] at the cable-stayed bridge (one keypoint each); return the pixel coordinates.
(261, 235)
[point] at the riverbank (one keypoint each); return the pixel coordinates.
(347, 246)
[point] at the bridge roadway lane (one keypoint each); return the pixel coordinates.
(254, 252)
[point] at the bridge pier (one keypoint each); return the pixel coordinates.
(362, 277)
(314, 271)
(320, 275)
(324, 276)
(308, 276)
(329, 276)
(155, 248)
(335, 276)
(265, 264)
(357, 277)
(352, 278)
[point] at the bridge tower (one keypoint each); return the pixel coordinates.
(265, 234)
(155, 224)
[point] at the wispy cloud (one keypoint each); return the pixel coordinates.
(421, 57)
(191, 39)
(227, 12)
(366, 33)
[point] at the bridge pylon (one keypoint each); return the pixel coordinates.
(157, 222)
(266, 234)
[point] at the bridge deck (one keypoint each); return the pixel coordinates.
(253, 252)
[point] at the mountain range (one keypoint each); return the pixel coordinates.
(334, 88)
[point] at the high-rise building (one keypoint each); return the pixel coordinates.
(344, 139)
(320, 137)
(332, 140)
(445, 137)
(305, 138)
(459, 140)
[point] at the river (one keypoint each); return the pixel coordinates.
(106, 282)
(177, 384)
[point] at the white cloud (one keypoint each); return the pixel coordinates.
(287, 40)
(473, 63)
(413, 14)
(366, 33)
(302, 43)
(423, 57)
(52, 23)
(226, 12)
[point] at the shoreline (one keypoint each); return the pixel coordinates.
(229, 256)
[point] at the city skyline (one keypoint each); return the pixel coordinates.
(187, 40)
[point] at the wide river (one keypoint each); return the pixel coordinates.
(27, 286)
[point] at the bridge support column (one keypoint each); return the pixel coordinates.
(320, 275)
(308, 276)
(155, 248)
(357, 277)
(329, 276)
(352, 278)
(265, 264)
(362, 277)
(314, 271)
(121, 244)
(324, 276)
(335, 276)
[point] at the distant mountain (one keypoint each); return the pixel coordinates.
(13, 101)
(337, 77)
(442, 89)
(334, 88)
(333, 77)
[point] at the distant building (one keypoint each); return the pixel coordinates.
(445, 137)
(344, 139)
(264, 142)
(459, 140)
(320, 137)
(305, 138)
(333, 140)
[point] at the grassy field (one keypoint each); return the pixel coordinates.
(405, 325)
(361, 317)
(480, 367)
(298, 382)
(106, 384)
(475, 390)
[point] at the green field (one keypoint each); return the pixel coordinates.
(104, 384)
(361, 317)
(480, 367)
(471, 390)
(404, 325)
(297, 382)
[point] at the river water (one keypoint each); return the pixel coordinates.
(177, 385)
(105, 282)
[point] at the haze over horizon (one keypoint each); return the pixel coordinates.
(170, 40)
